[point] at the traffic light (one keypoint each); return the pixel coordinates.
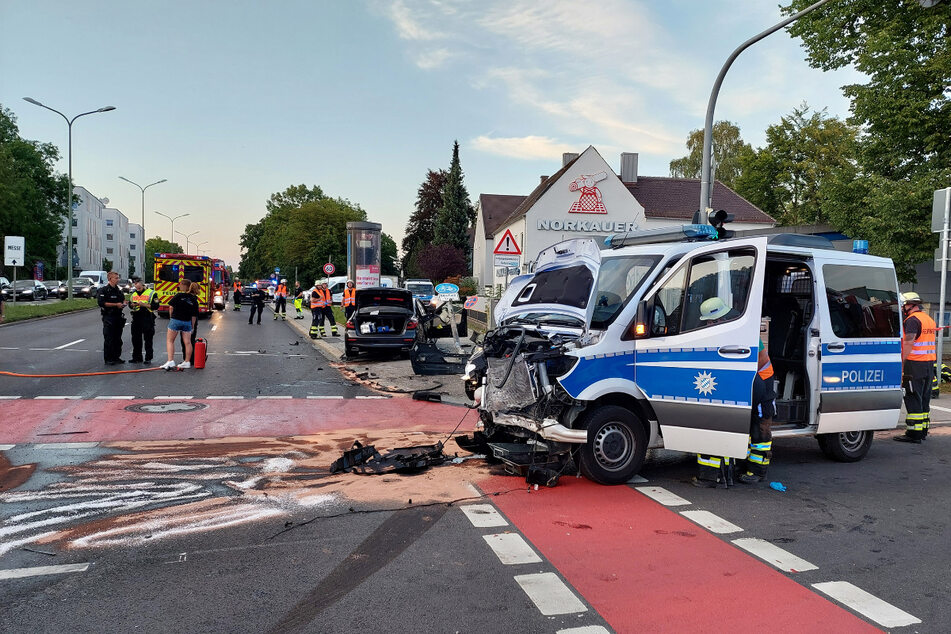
(719, 218)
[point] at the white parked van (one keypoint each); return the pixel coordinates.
(601, 354)
(99, 278)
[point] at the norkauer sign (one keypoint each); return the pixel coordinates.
(599, 226)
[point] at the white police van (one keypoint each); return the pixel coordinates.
(602, 354)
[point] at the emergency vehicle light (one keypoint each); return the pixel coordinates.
(682, 233)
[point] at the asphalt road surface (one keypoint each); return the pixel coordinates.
(206, 504)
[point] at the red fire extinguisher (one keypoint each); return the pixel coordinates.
(201, 352)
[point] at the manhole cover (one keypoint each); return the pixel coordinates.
(171, 407)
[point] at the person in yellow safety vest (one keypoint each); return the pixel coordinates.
(144, 303)
(280, 301)
(316, 311)
(237, 294)
(717, 471)
(298, 300)
(919, 353)
(329, 311)
(349, 299)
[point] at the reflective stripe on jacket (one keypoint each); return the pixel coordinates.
(924, 347)
(349, 297)
(317, 298)
(766, 371)
(145, 296)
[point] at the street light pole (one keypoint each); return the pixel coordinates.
(706, 176)
(164, 180)
(187, 236)
(69, 197)
(172, 220)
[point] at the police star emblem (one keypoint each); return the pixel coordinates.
(704, 383)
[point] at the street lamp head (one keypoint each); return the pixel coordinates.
(106, 109)
(164, 180)
(33, 101)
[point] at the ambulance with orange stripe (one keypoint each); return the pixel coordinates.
(171, 268)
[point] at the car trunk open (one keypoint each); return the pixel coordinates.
(382, 311)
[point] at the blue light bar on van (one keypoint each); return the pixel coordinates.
(682, 233)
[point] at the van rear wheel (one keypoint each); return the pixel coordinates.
(616, 447)
(850, 446)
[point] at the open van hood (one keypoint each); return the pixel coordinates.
(563, 283)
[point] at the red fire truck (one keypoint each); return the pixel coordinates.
(222, 283)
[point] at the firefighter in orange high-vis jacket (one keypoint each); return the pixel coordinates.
(349, 299)
(328, 311)
(919, 353)
(280, 301)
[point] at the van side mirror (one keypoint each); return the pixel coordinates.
(640, 328)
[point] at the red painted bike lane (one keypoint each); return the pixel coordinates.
(43, 421)
(645, 568)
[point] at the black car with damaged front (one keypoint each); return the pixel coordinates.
(384, 319)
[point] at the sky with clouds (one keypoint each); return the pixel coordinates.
(233, 100)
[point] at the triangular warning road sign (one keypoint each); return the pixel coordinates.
(507, 245)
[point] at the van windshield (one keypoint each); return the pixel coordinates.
(618, 280)
(420, 288)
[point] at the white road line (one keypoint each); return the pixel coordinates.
(711, 522)
(275, 397)
(71, 343)
(941, 409)
(114, 398)
(474, 490)
(214, 328)
(19, 573)
(483, 515)
(773, 554)
(324, 397)
(45, 349)
(9, 398)
(55, 398)
(221, 398)
(65, 445)
(373, 397)
(637, 480)
(550, 594)
(6, 348)
(511, 549)
(662, 495)
(5, 447)
(586, 629)
(172, 398)
(885, 614)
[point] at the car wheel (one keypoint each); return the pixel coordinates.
(850, 446)
(616, 447)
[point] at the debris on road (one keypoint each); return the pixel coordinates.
(366, 459)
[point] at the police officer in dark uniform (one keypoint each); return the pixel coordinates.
(257, 303)
(144, 303)
(111, 302)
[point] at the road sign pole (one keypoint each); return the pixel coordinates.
(944, 278)
(14, 289)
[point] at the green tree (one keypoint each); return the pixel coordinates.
(788, 177)
(294, 197)
(154, 245)
(420, 229)
(903, 108)
(389, 263)
(729, 151)
(455, 214)
(32, 195)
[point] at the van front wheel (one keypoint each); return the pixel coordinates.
(850, 446)
(616, 447)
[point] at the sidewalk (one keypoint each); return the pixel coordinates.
(386, 373)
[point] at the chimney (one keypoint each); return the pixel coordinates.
(628, 167)
(543, 179)
(568, 157)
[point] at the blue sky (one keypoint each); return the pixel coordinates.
(231, 101)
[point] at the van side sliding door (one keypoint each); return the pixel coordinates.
(860, 339)
(696, 371)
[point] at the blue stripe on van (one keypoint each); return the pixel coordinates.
(861, 376)
(865, 347)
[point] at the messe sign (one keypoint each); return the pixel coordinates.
(14, 249)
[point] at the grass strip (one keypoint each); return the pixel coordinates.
(20, 312)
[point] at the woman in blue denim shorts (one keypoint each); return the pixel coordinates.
(184, 308)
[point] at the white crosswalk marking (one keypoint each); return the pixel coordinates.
(885, 614)
(114, 398)
(587, 629)
(483, 516)
(19, 573)
(773, 554)
(711, 522)
(511, 549)
(221, 398)
(550, 594)
(9, 398)
(662, 495)
(324, 397)
(5, 447)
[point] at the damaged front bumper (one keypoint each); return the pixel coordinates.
(548, 428)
